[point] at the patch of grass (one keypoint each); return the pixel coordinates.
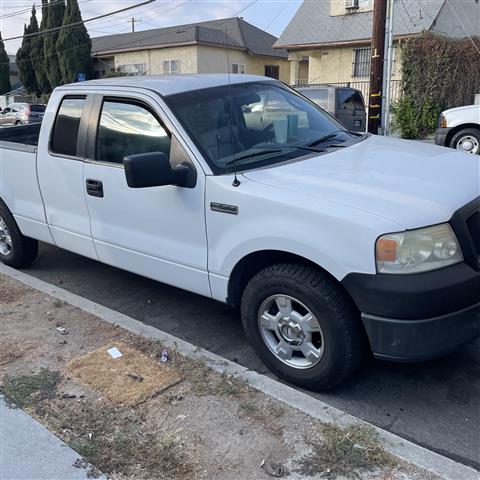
(117, 440)
(343, 452)
(24, 390)
(57, 303)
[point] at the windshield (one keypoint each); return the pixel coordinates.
(248, 125)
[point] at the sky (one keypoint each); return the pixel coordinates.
(270, 15)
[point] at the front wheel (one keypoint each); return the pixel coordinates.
(467, 140)
(302, 325)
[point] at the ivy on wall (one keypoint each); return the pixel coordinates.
(437, 73)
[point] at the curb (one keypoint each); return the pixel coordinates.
(419, 456)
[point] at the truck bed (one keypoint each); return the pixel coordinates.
(17, 138)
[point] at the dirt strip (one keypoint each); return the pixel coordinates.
(138, 417)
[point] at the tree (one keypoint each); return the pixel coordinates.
(4, 69)
(74, 45)
(37, 51)
(54, 18)
(26, 74)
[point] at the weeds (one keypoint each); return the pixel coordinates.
(25, 389)
(343, 452)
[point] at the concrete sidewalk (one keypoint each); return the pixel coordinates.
(28, 451)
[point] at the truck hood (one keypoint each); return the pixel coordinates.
(466, 109)
(411, 183)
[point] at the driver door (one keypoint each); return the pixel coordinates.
(157, 232)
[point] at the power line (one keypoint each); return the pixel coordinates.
(82, 22)
(463, 26)
(156, 35)
(278, 14)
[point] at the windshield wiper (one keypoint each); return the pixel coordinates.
(266, 151)
(331, 135)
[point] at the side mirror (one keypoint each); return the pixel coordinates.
(154, 170)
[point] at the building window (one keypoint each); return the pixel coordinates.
(133, 68)
(238, 68)
(272, 71)
(361, 61)
(171, 67)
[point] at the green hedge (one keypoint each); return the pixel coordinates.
(437, 73)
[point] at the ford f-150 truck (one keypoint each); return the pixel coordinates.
(333, 243)
(460, 128)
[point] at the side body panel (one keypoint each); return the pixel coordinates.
(462, 115)
(336, 237)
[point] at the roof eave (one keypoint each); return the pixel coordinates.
(359, 41)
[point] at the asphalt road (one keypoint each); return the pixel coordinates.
(435, 404)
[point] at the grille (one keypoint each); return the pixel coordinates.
(473, 224)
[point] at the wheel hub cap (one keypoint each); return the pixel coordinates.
(468, 144)
(290, 331)
(5, 238)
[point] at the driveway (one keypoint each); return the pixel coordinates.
(435, 404)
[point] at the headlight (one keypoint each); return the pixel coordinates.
(419, 250)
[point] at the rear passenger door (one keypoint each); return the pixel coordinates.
(157, 232)
(60, 173)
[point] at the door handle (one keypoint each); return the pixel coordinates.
(94, 187)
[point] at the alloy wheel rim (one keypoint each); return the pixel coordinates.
(291, 331)
(5, 238)
(468, 144)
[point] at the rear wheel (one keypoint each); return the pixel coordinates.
(16, 250)
(302, 325)
(467, 140)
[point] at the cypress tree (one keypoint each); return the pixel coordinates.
(74, 45)
(4, 69)
(37, 52)
(26, 74)
(54, 18)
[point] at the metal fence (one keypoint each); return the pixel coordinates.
(364, 87)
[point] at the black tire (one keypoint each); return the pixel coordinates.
(473, 132)
(23, 250)
(343, 334)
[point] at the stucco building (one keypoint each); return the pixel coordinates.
(328, 41)
(217, 46)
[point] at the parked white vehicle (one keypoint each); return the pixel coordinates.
(460, 128)
(333, 243)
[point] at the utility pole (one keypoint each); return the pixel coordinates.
(387, 74)
(133, 21)
(376, 68)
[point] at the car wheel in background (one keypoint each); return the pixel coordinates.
(303, 325)
(467, 140)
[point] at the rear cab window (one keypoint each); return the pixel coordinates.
(128, 127)
(348, 99)
(67, 124)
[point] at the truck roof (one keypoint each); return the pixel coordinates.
(168, 84)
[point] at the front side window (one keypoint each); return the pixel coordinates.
(66, 126)
(247, 125)
(127, 128)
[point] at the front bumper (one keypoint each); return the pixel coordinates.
(420, 316)
(441, 136)
(416, 340)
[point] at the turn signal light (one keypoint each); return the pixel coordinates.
(386, 250)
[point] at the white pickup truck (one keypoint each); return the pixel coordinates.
(460, 128)
(333, 243)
